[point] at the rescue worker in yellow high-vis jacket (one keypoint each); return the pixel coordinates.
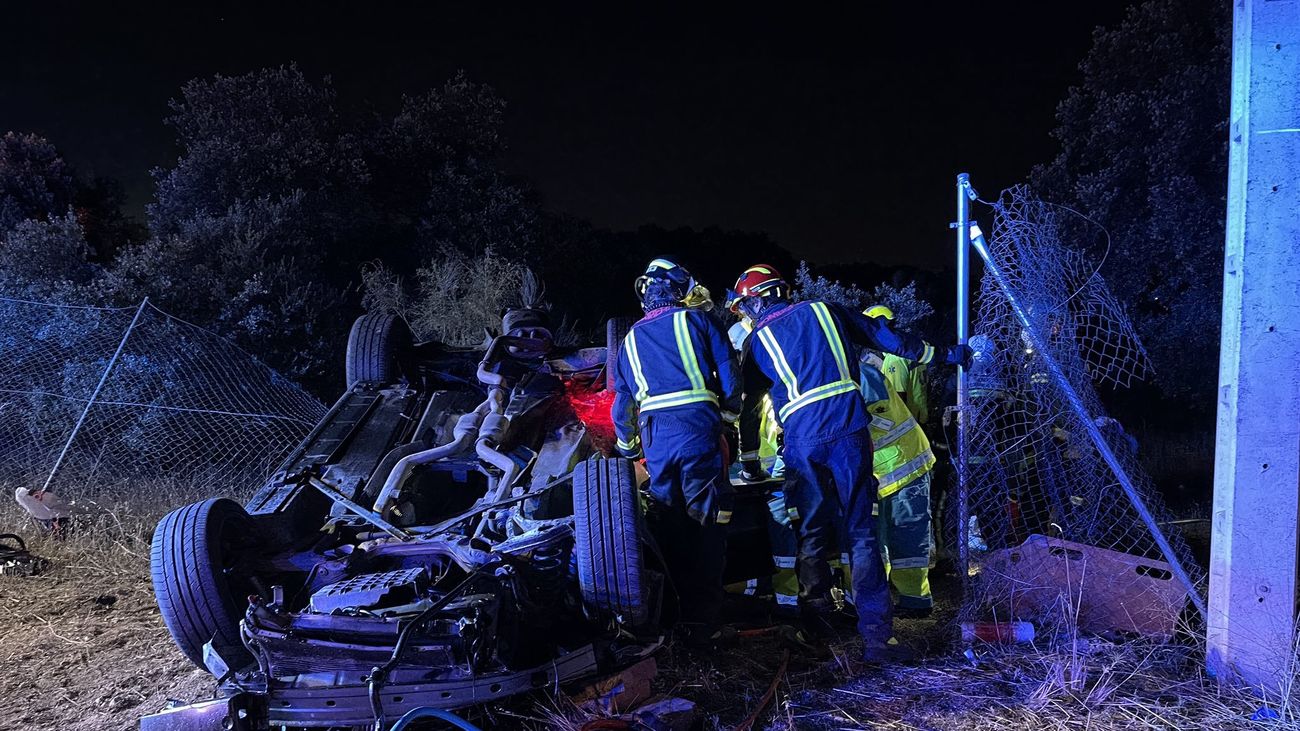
(903, 462)
(905, 377)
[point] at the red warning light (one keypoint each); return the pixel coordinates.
(593, 407)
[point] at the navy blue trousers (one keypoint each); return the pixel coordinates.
(687, 478)
(833, 489)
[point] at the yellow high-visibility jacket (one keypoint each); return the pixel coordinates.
(902, 451)
(908, 379)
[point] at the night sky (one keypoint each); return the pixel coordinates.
(838, 132)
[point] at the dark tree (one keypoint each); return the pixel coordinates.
(34, 181)
(437, 181)
(271, 133)
(254, 273)
(47, 260)
(99, 204)
(1144, 153)
(55, 230)
(278, 198)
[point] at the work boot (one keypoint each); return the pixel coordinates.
(887, 652)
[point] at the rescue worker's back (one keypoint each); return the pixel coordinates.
(816, 392)
(675, 382)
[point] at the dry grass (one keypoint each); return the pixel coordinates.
(85, 649)
(83, 645)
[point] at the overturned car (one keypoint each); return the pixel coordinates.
(452, 532)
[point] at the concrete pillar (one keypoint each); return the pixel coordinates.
(1252, 608)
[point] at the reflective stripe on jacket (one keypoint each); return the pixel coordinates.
(902, 451)
(803, 355)
(671, 358)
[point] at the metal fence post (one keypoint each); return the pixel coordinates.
(93, 395)
(964, 192)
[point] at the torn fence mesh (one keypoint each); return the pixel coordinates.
(1052, 533)
(180, 405)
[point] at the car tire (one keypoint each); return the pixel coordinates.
(375, 348)
(607, 539)
(200, 601)
(615, 330)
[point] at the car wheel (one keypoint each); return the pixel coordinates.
(201, 600)
(615, 330)
(375, 346)
(607, 539)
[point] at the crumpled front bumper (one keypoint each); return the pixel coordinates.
(344, 706)
(239, 712)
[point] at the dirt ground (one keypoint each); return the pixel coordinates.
(84, 649)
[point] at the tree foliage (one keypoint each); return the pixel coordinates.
(436, 164)
(55, 230)
(281, 194)
(1144, 154)
(35, 183)
(42, 259)
(910, 309)
(808, 286)
(271, 134)
(252, 272)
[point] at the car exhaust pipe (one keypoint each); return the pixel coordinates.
(489, 438)
(486, 377)
(518, 347)
(462, 436)
(496, 423)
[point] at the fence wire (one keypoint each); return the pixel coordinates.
(1051, 527)
(179, 404)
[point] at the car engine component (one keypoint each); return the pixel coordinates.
(391, 590)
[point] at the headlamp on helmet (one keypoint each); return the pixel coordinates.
(666, 283)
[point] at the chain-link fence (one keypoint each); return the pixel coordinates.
(99, 401)
(1062, 522)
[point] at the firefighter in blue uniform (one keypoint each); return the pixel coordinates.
(677, 389)
(803, 354)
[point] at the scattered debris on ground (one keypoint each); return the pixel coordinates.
(88, 652)
(16, 560)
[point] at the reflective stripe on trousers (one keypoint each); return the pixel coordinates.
(906, 540)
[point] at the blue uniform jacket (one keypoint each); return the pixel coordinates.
(673, 358)
(803, 355)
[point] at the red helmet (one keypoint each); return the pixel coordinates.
(760, 280)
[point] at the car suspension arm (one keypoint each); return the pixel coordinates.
(370, 516)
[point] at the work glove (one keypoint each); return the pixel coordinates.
(959, 354)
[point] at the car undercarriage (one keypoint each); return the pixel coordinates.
(452, 532)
